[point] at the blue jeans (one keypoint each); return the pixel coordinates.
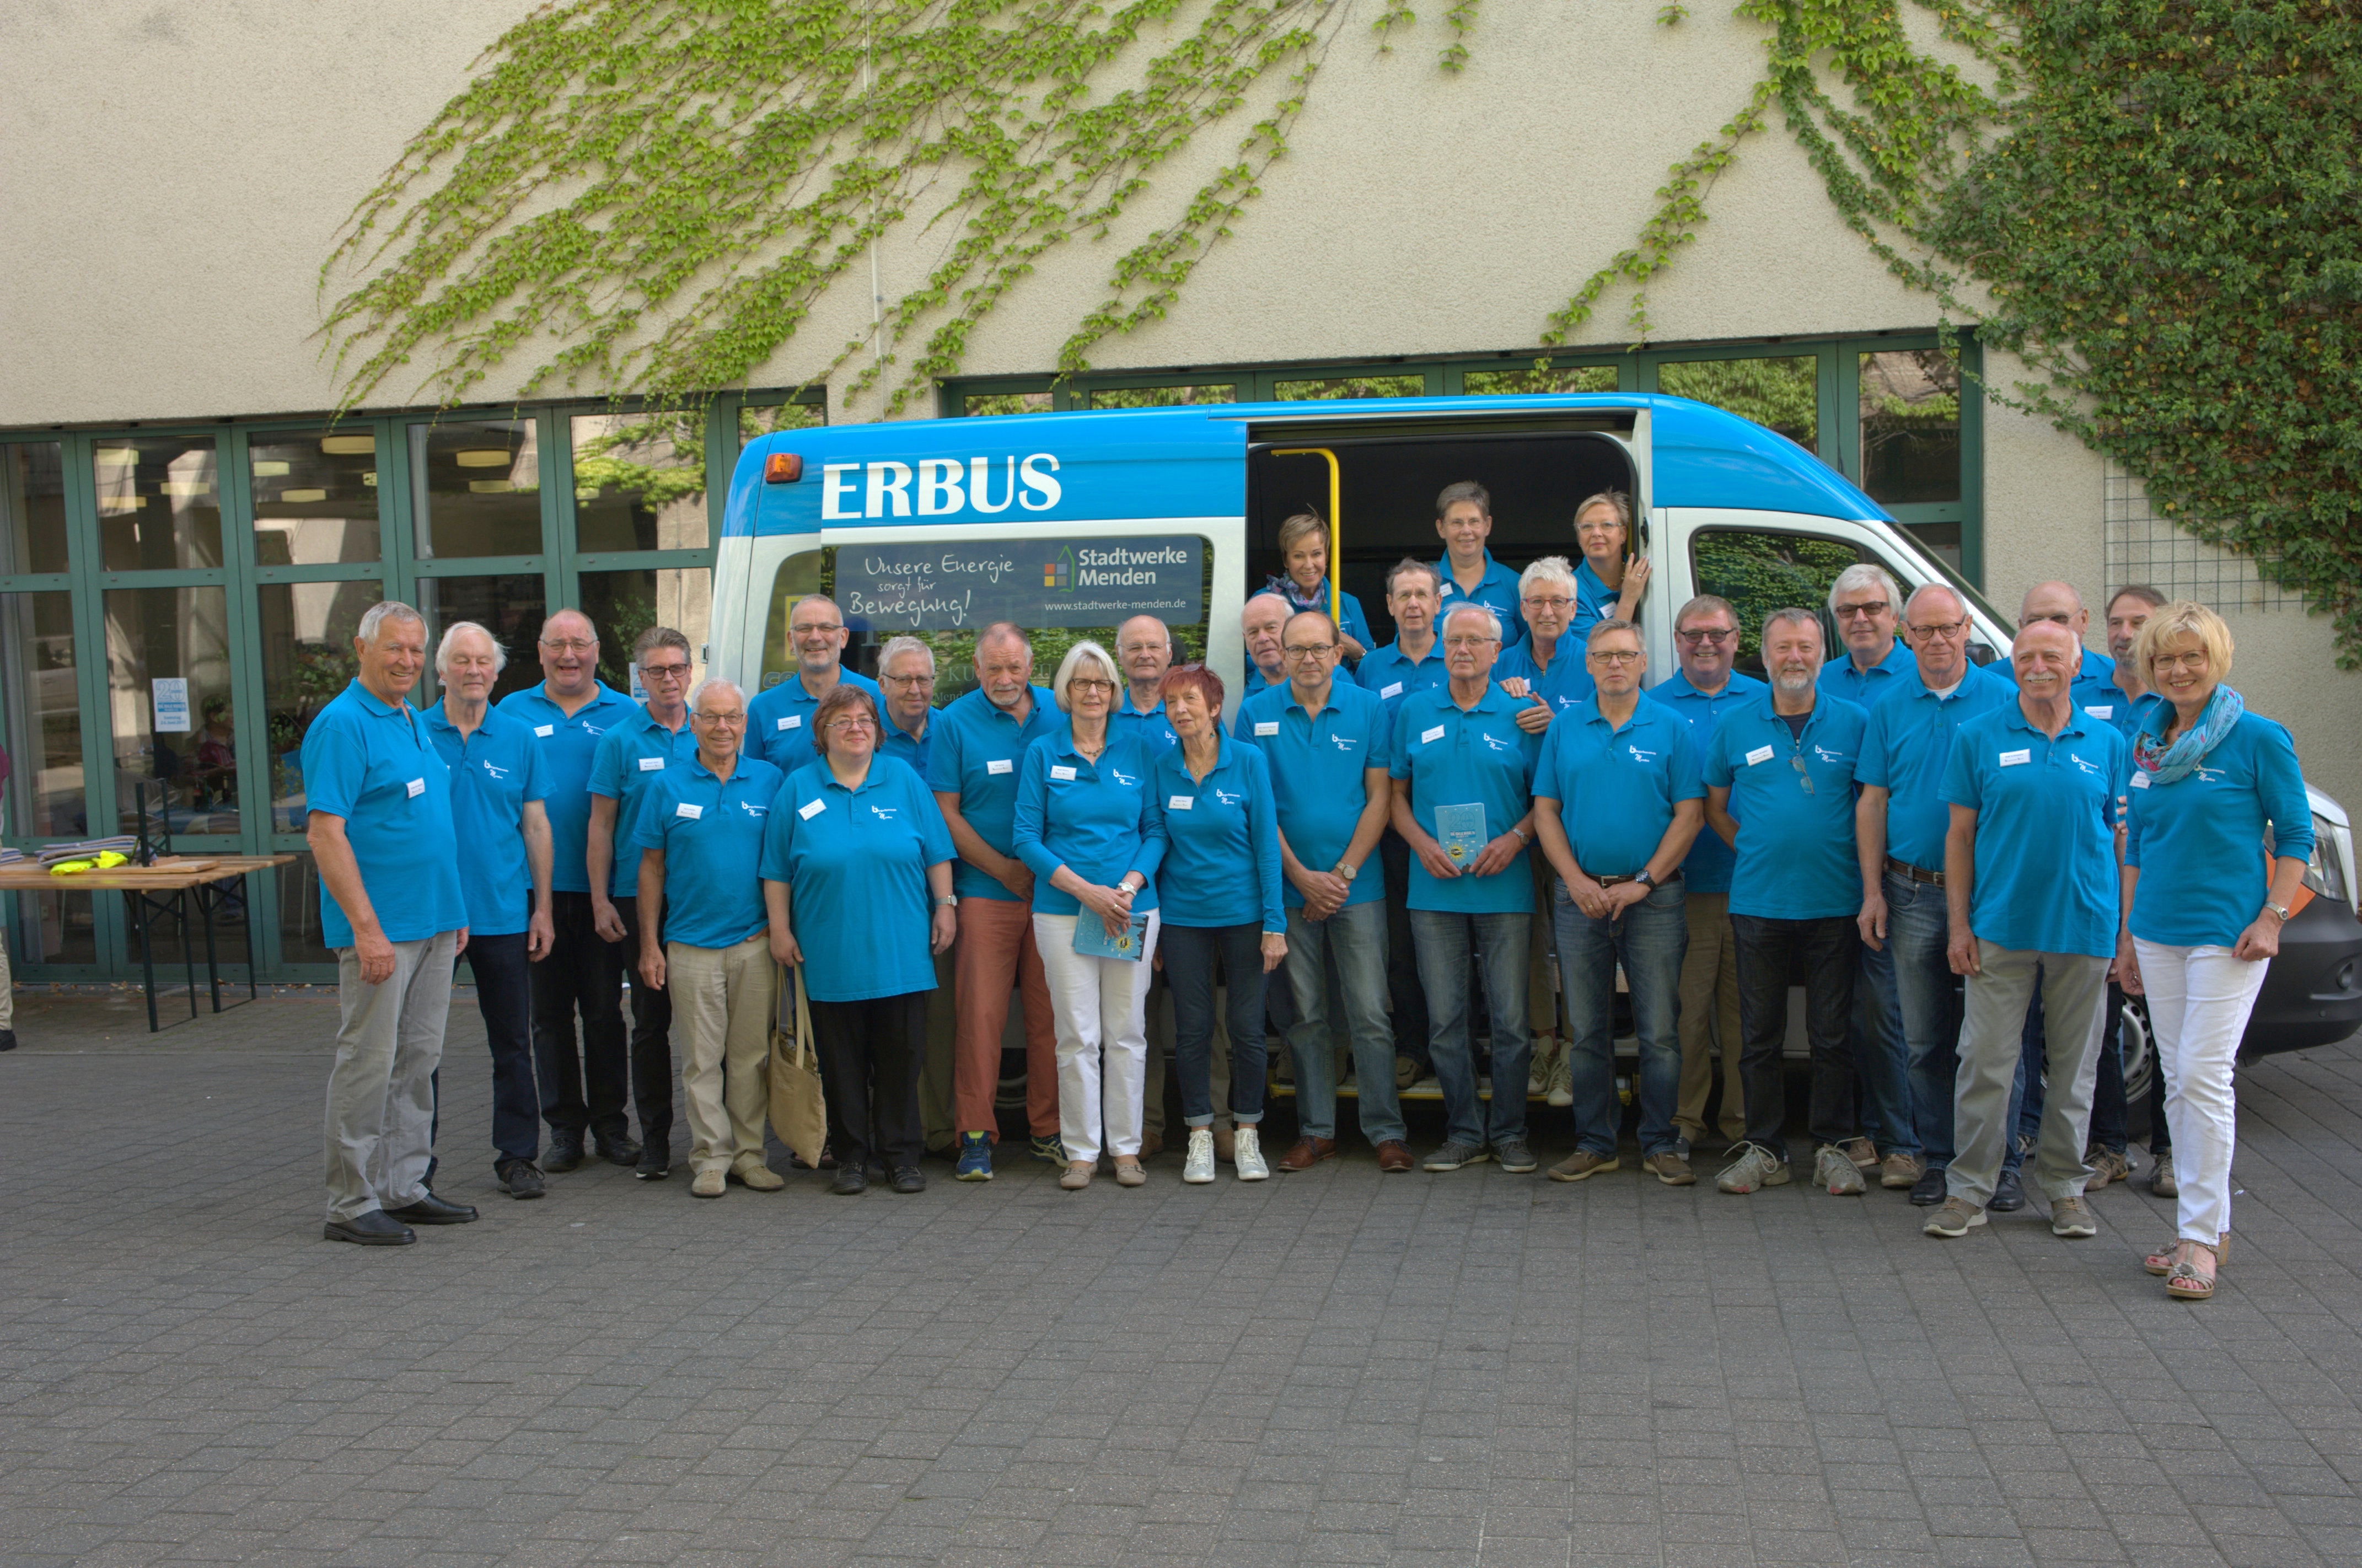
(1881, 1062)
(1650, 938)
(1403, 983)
(1190, 954)
(1927, 998)
(1444, 940)
(1354, 940)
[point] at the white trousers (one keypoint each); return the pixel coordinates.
(2199, 999)
(1100, 1006)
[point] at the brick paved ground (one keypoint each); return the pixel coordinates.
(1468, 1369)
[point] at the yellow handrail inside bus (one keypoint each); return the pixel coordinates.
(1336, 536)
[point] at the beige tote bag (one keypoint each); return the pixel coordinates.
(798, 1110)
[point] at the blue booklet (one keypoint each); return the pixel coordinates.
(1092, 941)
(1461, 831)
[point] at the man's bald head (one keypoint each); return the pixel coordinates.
(2055, 602)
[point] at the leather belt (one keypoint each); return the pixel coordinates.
(1916, 872)
(1611, 881)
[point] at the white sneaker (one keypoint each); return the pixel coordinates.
(1250, 1159)
(1562, 1082)
(1542, 1068)
(1198, 1168)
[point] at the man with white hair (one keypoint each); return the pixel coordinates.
(906, 671)
(390, 907)
(1867, 605)
(498, 784)
(1261, 621)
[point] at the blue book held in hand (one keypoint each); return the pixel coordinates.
(1461, 831)
(1092, 941)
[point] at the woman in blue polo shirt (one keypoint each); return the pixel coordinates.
(857, 877)
(1085, 830)
(1303, 581)
(2208, 778)
(1218, 902)
(1610, 583)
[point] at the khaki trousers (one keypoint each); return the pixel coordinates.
(381, 1137)
(1710, 1020)
(722, 1000)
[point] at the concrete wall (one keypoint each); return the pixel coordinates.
(179, 167)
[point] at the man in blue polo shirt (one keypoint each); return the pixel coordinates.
(972, 768)
(1261, 621)
(1706, 643)
(497, 785)
(1327, 743)
(2059, 603)
(1867, 606)
(700, 842)
(1468, 574)
(633, 756)
(1462, 770)
(1412, 662)
(1617, 799)
(1143, 646)
(1780, 790)
(391, 908)
(906, 672)
(2035, 894)
(585, 1093)
(779, 721)
(1898, 827)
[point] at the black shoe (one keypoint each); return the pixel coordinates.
(654, 1162)
(374, 1228)
(7, 1039)
(910, 1178)
(564, 1153)
(520, 1178)
(433, 1210)
(2009, 1194)
(850, 1182)
(619, 1150)
(1928, 1190)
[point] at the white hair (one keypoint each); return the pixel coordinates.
(709, 683)
(1549, 572)
(1926, 589)
(1465, 608)
(1865, 574)
(443, 649)
(897, 646)
(1081, 654)
(385, 610)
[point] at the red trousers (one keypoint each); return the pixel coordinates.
(996, 954)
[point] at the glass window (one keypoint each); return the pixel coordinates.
(300, 941)
(639, 481)
(314, 496)
(1350, 386)
(1006, 403)
(158, 501)
(766, 418)
(1162, 397)
(1762, 571)
(1911, 426)
(478, 489)
(512, 607)
(32, 508)
(168, 663)
(52, 928)
(1557, 379)
(1783, 394)
(307, 631)
(623, 604)
(43, 715)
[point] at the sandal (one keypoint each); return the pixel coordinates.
(2161, 1261)
(2185, 1282)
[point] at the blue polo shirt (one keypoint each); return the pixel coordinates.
(1150, 729)
(1474, 757)
(1393, 674)
(1707, 869)
(374, 765)
(2104, 699)
(2200, 840)
(1090, 817)
(1566, 682)
(633, 757)
(711, 831)
(1616, 785)
(1256, 684)
(494, 772)
(855, 865)
(568, 745)
(1865, 688)
(1797, 854)
(974, 752)
(1349, 618)
(778, 723)
(2045, 871)
(1221, 852)
(1497, 591)
(1317, 774)
(1592, 598)
(1904, 750)
(898, 743)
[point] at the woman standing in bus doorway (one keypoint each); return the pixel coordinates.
(1610, 583)
(2208, 779)
(1084, 829)
(1304, 582)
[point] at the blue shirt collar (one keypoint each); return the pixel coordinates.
(2076, 721)
(1494, 570)
(369, 704)
(1728, 679)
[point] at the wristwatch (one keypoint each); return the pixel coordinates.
(948, 901)
(1346, 869)
(1523, 836)
(1643, 877)
(2279, 910)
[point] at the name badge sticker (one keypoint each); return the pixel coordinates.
(1060, 770)
(1267, 727)
(1428, 737)
(1001, 765)
(811, 809)
(652, 764)
(792, 722)
(1392, 689)
(545, 731)
(2017, 758)
(1761, 753)
(1182, 804)
(2104, 711)
(689, 811)
(416, 786)
(2140, 780)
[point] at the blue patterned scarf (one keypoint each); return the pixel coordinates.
(2170, 764)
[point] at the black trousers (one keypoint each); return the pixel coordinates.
(869, 1057)
(504, 998)
(1828, 952)
(583, 974)
(651, 1035)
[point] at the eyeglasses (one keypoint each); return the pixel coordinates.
(813, 630)
(1864, 611)
(1556, 601)
(1311, 650)
(1796, 761)
(849, 724)
(1615, 655)
(2195, 659)
(727, 721)
(664, 672)
(1709, 634)
(2063, 617)
(1947, 630)
(1468, 643)
(1085, 683)
(568, 644)
(926, 679)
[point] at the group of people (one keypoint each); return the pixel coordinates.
(1968, 868)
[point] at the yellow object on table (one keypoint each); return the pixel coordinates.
(106, 861)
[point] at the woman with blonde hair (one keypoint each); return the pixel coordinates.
(1303, 581)
(1609, 582)
(2209, 780)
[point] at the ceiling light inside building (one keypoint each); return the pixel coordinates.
(483, 457)
(300, 497)
(490, 487)
(347, 446)
(268, 470)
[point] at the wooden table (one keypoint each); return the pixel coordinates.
(162, 890)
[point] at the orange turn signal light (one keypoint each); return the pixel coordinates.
(783, 468)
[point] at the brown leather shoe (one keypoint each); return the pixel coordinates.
(1307, 1153)
(1150, 1144)
(1392, 1156)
